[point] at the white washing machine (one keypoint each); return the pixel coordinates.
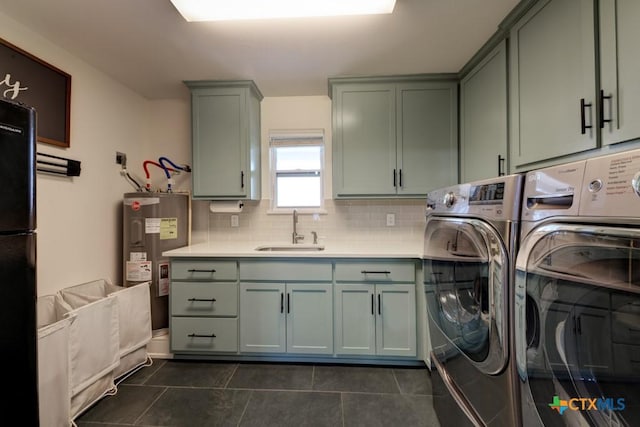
(577, 294)
(471, 237)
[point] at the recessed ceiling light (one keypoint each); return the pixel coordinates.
(224, 10)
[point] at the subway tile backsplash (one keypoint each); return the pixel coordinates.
(345, 220)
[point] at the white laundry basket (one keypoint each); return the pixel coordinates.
(93, 349)
(134, 318)
(53, 363)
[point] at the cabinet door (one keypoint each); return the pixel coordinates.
(355, 319)
(427, 134)
(483, 118)
(219, 142)
(262, 317)
(396, 320)
(364, 139)
(552, 71)
(620, 68)
(309, 318)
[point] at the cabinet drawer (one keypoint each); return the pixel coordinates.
(376, 272)
(286, 271)
(192, 334)
(204, 299)
(204, 270)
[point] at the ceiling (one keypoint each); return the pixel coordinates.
(149, 47)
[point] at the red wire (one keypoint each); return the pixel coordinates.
(146, 169)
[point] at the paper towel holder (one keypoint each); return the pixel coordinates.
(226, 206)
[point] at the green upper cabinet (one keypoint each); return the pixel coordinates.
(393, 137)
(225, 139)
(574, 80)
(364, 139)
(483, 118)
(620, 70)
(553, 81)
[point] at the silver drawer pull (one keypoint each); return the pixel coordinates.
(374, 272)
(201, 336)
(194, 270)
(202, 299)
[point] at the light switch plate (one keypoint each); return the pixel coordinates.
(235, 221)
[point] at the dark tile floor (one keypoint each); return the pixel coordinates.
(197, 394)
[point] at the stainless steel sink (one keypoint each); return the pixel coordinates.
(290, 248)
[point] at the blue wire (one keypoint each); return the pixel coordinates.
(164, 159)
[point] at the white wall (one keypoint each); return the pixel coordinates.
(299, 113)
(79, 219)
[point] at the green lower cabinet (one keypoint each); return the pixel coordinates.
(204, 335)
(262, 318)
(286, 318)
(309, 318)
(203, 307)
(377, 320)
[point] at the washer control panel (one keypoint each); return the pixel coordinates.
(452, 199)
(487, 194)
(495, 198)
(449, 199)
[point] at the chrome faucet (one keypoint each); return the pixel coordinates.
(295, 237)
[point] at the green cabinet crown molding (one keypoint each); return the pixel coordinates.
(401, 78)
(250, 84)
(500, 35)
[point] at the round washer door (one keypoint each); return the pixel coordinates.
(465, 277)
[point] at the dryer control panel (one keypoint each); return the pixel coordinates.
(552, 191)
(611, 186)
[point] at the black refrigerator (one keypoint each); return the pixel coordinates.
(18, 330)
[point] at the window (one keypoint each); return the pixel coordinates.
(297, 164)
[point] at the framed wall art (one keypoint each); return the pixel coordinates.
(33, 82)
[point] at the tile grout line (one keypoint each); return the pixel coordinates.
(342, 408)
(226, 385)
(143, 413)
(393, 372)
(244, 410)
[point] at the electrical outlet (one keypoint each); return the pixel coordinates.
(235, 222)
(391, 220)
(121, 159)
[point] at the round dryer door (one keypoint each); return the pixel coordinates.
(577, 325)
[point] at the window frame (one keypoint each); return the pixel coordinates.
(296, 138)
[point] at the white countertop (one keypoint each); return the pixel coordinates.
(331, 250)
